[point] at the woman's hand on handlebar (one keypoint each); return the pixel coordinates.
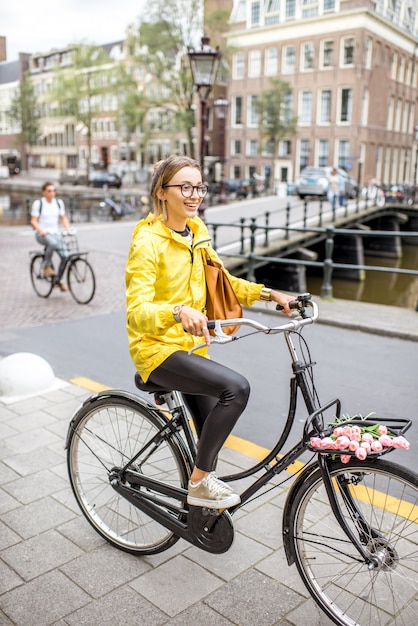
(284, 300)
(195, 322)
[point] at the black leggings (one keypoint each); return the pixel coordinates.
(214, 394)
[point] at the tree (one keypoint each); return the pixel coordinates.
(275, 117)
(78, 88)
(170, 28)
(24, 111)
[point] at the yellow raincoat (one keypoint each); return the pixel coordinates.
(164, 270)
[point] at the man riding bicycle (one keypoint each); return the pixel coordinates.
(46, 214)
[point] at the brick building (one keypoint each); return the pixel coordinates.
(352, 66)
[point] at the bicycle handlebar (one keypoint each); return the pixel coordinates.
(304, 301)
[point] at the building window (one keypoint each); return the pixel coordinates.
(329, 5)
(368, 47)
(304, 153)
(348, 51)
(254, 63)
(401, 71)
(285, 148)
(237, 110)
(271, 62)
(238, 66)
(323, 152)
(255, 14)
(306, 108)
(290, 10)
(236, 146)
(343, 153)
(346, 104)
(309, 8)
(393, 65)
(390, 113)
(252, 147)
(365, 107)
(307, 56)
(253, 111)
(325, 106)
(271, 11)
(289, 60)
(327, 53)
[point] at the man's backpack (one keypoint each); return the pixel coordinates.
(57, 200)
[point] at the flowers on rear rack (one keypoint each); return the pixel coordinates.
(357, 439)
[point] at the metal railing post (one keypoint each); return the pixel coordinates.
(321, 211)
(287, 220)
(326, 288)
(266, 238)
(214, 234)
(253, 228)
(242, 220)
(305, 213)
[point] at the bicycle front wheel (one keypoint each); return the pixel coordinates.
(43, 285)
(385, 496)
(105, 435)
(81, 280)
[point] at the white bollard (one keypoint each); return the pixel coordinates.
(25, 374)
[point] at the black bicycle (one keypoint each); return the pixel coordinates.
(78, 272)
(350, 528)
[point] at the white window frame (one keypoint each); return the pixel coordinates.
(286, 68)
(307, 56)
(254, 64)
(271, 62)
(238, 66)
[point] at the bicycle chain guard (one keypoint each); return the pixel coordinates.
(210, 530)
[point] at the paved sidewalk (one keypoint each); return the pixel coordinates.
(55, 569)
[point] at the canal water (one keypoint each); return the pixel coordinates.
(378, 287)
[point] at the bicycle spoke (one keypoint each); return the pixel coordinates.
(346, 587)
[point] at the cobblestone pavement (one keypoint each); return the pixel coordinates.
(20, 306)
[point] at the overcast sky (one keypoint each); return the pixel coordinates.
(40, 25)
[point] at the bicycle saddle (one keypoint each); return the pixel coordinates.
(149, 386)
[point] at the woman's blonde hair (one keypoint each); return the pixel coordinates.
(163, 172)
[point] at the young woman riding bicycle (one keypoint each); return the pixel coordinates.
(166, 295)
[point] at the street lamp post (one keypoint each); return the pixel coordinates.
(221, 110)
(416, 163)
(204, 64)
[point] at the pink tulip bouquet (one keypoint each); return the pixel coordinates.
(358, 439)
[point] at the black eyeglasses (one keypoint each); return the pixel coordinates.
(187, 189)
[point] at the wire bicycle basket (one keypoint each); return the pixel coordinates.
(70, 243)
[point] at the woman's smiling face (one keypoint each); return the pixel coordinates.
(179, 208)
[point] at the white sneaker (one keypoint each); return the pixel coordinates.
(212, 493)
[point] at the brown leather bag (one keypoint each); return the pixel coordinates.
(221, 301)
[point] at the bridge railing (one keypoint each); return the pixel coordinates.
(328, 265)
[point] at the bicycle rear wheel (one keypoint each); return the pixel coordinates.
(81, 280)
(43, 285)
(104, 435)
(386, 496)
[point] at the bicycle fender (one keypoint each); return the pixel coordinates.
(112, 393)
(288, 509)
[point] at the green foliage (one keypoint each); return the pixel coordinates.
(168, 30)
(24, 111)
(77, 88)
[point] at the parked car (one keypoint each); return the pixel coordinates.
(101, 178)
(314, 181)
(73, 177)
(240, 187)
